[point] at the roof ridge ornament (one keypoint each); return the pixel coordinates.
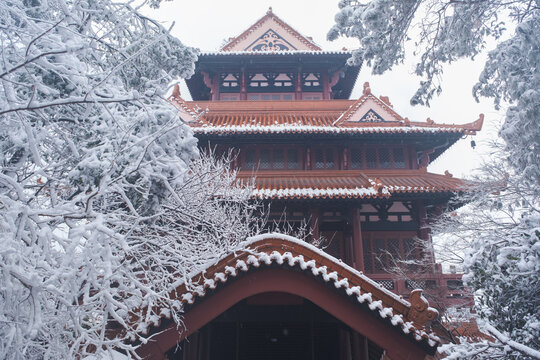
(420, 313)
(386, 100)
(186, 112)
(367, 89)
(269, 11)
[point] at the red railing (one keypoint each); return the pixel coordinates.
(444, 289)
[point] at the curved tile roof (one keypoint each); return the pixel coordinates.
(351, 184)
(312, 117)
(288, 252)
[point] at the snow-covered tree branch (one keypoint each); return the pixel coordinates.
(105, 203)
(443, 31)
(497, 236)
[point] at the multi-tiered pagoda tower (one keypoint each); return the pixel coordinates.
(355, 171)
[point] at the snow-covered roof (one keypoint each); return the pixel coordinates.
(288, 252)
(347, 184)
(367, 115)
(284, 52)
(311, 129)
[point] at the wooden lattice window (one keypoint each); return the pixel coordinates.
(250, 160)
(292, 159)
(324, 159)
(371, 158)
(377, 157)
(398, 158)
(265, 161)
(270, 96)
(384, 158)
(357, 160)
(271, 158)
(382, 249)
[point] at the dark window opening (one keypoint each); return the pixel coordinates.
(264, 162)
(377, 157)
(371, 158)
(356, 159)
(454, 284)
(384, 158)
(292, 159)
(271, 158)
(250, 160)
(324, 159)
(399, 158)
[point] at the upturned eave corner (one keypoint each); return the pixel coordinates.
(475, 126)
(190, 113)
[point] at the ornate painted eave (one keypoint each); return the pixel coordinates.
(275, 250)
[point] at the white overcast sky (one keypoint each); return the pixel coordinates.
(205, 24)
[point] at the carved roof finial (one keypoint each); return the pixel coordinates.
(176, 92)
(429, 121)
(269, 10)
(386, 100)
(448, 174)
(420, 312)
(367, 89)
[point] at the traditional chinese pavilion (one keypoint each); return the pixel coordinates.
(355, 171)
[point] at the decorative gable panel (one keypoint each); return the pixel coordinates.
(270, 33)
(369, 109)
(270, 41)
(371, 116)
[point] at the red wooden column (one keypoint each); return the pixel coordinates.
(314, 223)
(215, 88)
(358, 248)
(243, 85)
(424, 231)
(326, 85)
(298, 85)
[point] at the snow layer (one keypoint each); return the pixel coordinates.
(291, 128)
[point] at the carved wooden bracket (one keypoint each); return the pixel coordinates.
(420, 313)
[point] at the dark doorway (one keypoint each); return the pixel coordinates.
(296, 330)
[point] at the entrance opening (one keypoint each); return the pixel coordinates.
(275, 326)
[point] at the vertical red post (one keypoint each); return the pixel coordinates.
(314, 223)
(215, 87)
(424, 231)
(326, 85)
(243, 85)
(298, 87)
(358, 248)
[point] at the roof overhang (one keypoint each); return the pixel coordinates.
(349, 184)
